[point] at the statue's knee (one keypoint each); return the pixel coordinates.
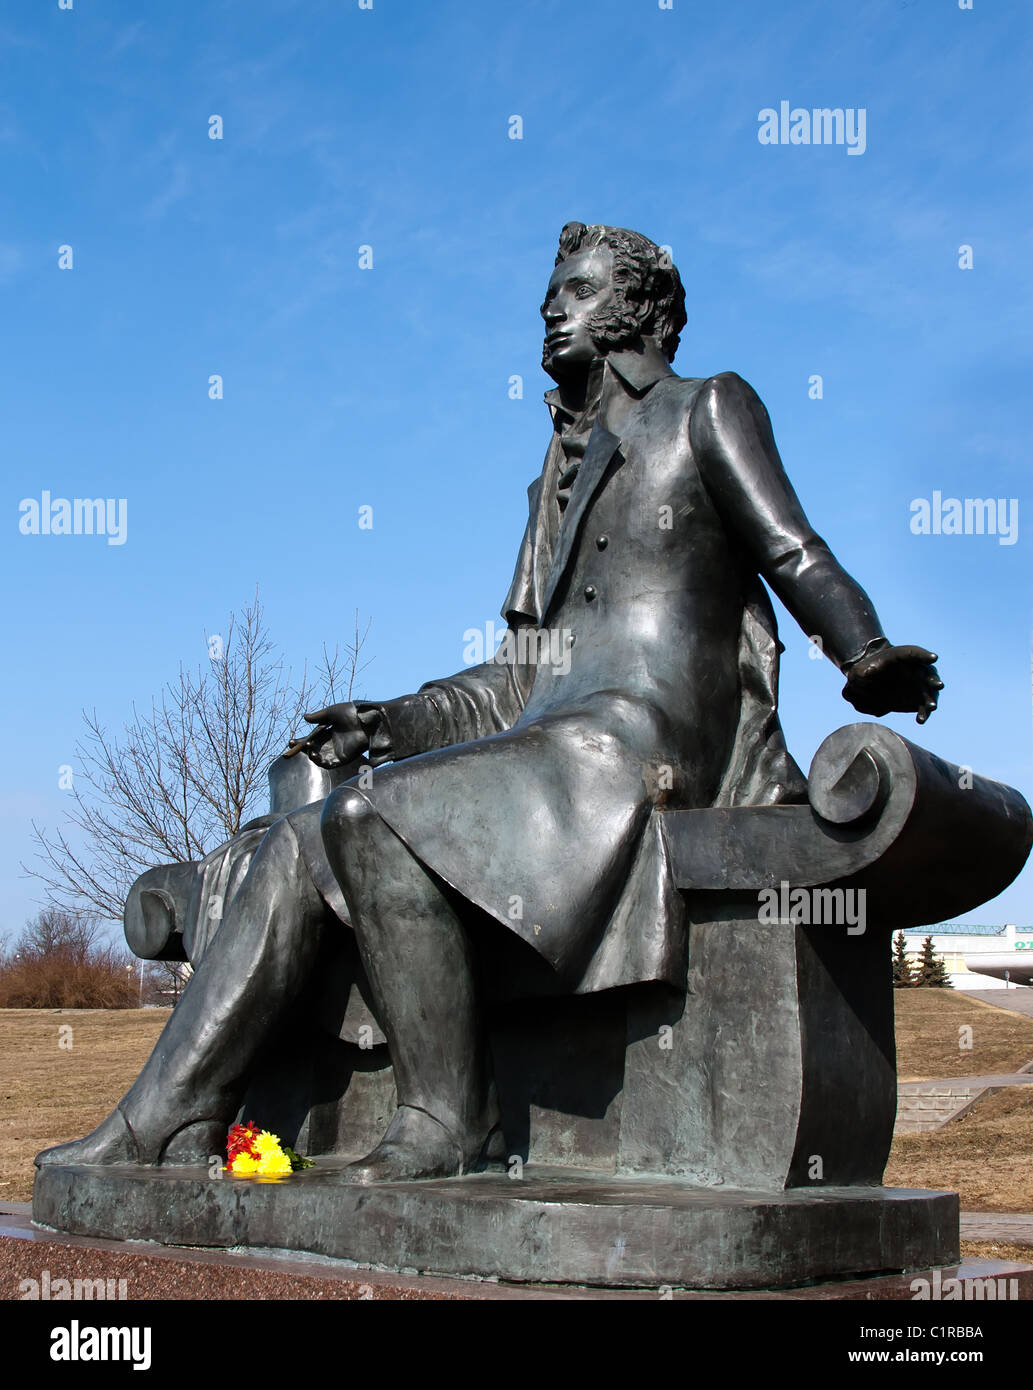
(347, 814)
(280, 832)
(279, 842)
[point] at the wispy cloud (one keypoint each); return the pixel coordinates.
(12, 259)
(176, 187)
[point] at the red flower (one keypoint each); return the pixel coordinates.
(241, 1139)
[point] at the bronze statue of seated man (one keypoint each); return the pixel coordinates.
(528, 790)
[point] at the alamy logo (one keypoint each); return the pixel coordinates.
(75, 516)
(937, 1290)
(819, 125)
(78, 1343)
(966, 516)
(814, 907)
(46, 1290)
(524, 646)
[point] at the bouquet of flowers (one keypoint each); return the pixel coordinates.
(254, 1152)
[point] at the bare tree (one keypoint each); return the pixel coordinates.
(163, 981)
(57, 932)
(182, 779)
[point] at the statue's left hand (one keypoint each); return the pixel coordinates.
(895, 678)
(339, 737)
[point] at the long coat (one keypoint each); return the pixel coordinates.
(533, 786)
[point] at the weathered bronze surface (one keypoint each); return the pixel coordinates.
(519, 911)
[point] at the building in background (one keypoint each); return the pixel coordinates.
(979, 957)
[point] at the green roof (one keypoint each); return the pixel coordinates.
(959, 929)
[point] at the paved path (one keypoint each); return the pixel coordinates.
(1011, 1228)
(1016, 1001)
(972, 1083)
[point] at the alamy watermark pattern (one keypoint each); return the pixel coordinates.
(529, 646)
(824, 125)
(75, 516)
(807, 907)
(47, 1289)
(966, 516)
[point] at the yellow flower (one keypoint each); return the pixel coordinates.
(272, 1158)
(271, 1161)
(243, 1164)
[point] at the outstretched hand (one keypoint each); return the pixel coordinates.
(896, 678)
(339, 737)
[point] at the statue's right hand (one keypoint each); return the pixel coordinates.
(339, 736)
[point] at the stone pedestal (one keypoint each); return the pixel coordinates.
(553, 1225)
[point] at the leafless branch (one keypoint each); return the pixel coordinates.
(181, 779)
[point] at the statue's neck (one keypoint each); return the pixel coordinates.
(580, 392)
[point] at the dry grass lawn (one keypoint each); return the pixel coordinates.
(986, 1156)
(51, 1093)
(928, 1023)
(990, 1250)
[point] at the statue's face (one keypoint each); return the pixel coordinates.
(581, 296)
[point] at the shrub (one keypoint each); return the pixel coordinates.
(59, 963)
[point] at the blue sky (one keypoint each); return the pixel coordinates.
(388, 387)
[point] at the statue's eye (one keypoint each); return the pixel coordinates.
(583, 291)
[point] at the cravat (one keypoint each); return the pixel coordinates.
(573, 441)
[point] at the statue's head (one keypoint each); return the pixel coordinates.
(610, 289)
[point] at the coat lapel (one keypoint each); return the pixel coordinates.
(523, 603)
(601, 448)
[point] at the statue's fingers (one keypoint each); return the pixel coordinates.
(919, 654)
(341, 716)
(929, 703)
(349, 745)
(305, 745)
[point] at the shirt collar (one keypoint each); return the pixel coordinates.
(635, 370)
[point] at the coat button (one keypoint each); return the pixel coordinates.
(590, 592)
(602, 542)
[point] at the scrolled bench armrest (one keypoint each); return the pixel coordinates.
(926, 839)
